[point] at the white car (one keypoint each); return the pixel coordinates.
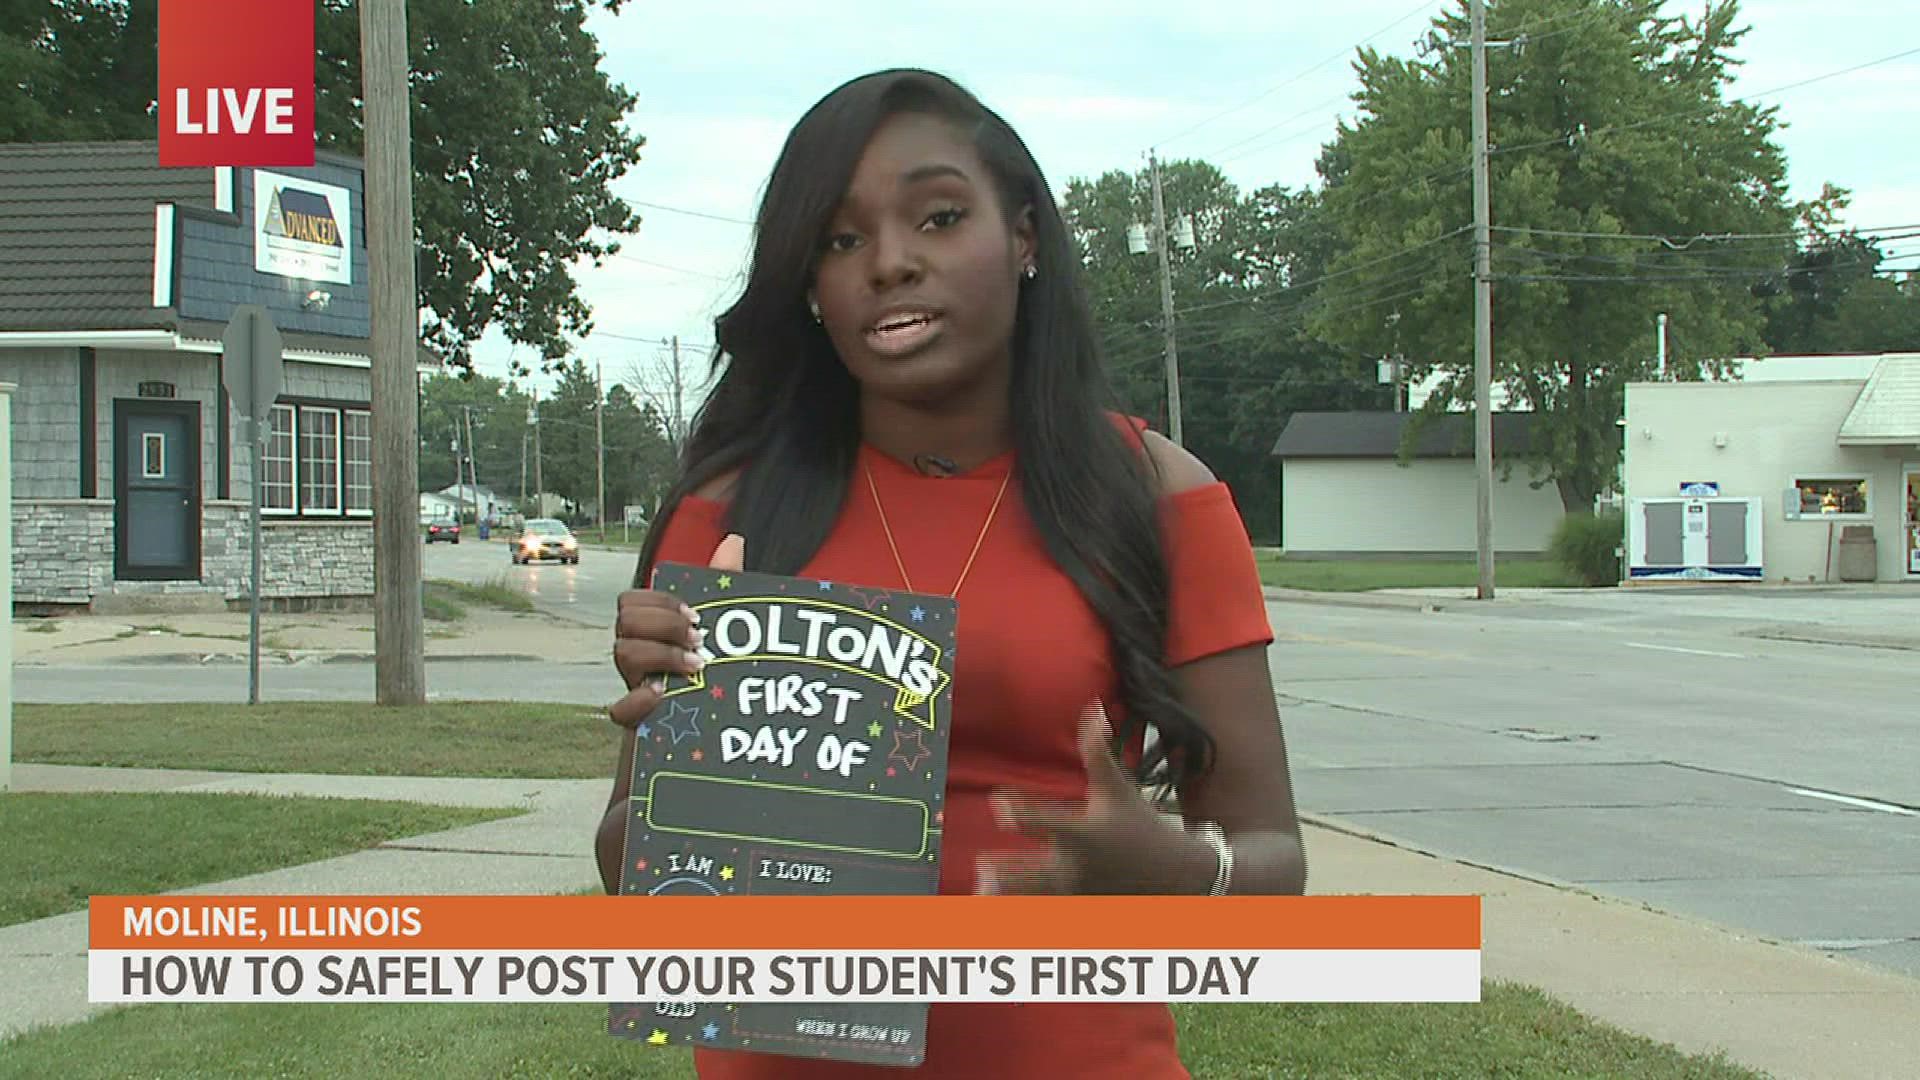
(542, 539)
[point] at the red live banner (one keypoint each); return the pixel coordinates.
(236, 82)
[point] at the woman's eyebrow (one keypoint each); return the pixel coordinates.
(920, 173)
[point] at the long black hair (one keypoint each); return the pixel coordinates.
(785, 411)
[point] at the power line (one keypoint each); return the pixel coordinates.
(1291, 286)
(1277, 87)
(1864, 232)
(694, 213)
(1571, 138)
(734, 279)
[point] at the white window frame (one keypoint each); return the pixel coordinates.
(292, 509)
(148, 440)
(339, 454)
(346, 498)
(1796, 513)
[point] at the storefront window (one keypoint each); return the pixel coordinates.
(319, 460)
(359, 456)
(1830, 495)
(276, 473)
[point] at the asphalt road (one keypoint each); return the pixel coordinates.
(585, 593)
(1646, 747)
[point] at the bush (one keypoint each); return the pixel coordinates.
(1585, 544)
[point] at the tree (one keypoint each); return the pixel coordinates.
(517, 138)
(1246, 363)
(1615, 154)
(499, 412)
(567, 435)
(1832, 298)
(639, 458)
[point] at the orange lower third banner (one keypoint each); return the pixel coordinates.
(799, 949)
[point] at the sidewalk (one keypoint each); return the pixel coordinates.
(1883, 616)
(221, 638)
(1779, 1009)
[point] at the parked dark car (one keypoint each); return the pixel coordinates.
(545, 538)
(443, 530)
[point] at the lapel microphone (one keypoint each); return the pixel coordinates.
(938, 467)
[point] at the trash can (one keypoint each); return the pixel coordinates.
(1859, 554)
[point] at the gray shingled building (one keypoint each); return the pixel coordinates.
(130, 475)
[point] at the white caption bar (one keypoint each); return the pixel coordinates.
(1327, 975)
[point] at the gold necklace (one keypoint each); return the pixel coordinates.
(895, 548)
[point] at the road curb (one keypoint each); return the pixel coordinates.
(1376, 601)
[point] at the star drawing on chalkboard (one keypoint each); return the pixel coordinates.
(826, 586)
(874, 730)
(658, 1038)
(726, 873)
(908, 750)
(643, 731)
(918, 613)
(710, 1032)
(681, 721)
(726, 581)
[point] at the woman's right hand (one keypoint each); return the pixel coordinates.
(655, 635)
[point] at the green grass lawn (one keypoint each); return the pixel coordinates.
(1362, 575)
(482, 738)
(1515, 1033)
(61, 848)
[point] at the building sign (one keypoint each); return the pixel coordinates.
(1700, 489)
(156, 389)
(236, 82)
(302, 228)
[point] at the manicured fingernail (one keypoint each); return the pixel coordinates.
(696, 637)
(692, 615)
(658, 683)
(695, 661)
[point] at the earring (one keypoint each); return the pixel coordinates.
(1031, 272)
(814, 306)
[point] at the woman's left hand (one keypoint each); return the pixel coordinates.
(1114, 842)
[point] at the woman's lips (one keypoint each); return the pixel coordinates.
(902, 335)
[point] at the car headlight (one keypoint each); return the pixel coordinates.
(569, 542)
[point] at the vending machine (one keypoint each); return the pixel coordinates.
(1694, 538)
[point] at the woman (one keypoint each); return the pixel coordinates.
(913, 399)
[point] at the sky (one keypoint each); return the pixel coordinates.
(1253, 86)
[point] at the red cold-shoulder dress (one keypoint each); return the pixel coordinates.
(1030, 654)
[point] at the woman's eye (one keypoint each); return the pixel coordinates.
(842, 242)
(945, 219)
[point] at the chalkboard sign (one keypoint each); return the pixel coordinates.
(808, 758)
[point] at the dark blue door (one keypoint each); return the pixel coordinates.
(156, 477)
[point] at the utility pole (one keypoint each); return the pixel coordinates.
(1482, 311)
(600, 441)
(473, 465)
(523, 468)
(400, 668)
(539, 485)
(459, 478)
(678, 434)
(1166, 304)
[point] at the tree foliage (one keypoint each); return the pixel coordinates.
(1617, 159)
(1246, 361)
(517, 138)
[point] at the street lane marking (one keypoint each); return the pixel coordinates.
(1689, 652)
(1864, 804)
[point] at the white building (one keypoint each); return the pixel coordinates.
(1806, 453)
(1345, 494)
